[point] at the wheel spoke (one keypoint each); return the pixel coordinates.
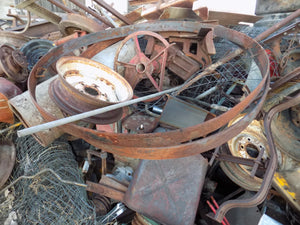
(152, 81)
(137, 45)
(129, 65)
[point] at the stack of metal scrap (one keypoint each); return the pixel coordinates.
(169, 114)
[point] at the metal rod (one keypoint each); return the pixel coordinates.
(70, 119)
(93, 13)
(113, 11)
(208, 92)
(62, 6)
(105, 14)
(278, 25)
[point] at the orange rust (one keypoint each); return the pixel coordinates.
(6, 115)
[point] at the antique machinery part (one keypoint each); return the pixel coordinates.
(248, 145)
(6, 114)
(168, 144)
(7, 160)
(141, 66)
(113, 11)
(203, 47)
(36, 49)
(154, 190)
(85, 85)
(28, 114)
(139, 123)
(13, 39)
(74, 22)
(8, 88)
(13, 64)
(93, 13)
(38, 10)
(260, 196)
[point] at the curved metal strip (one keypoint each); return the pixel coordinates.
(7, 160)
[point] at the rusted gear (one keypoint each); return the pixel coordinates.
(13, 64)
(144, 64)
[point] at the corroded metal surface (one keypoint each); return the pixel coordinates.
(13, 64)
(31, 6)
(6, 114)
(163, 145)
(84, 85)
(28, 114)
(8, 88)
(7, 160)
(75, 22)
(12, 38)
(166, 192)
(140, 66)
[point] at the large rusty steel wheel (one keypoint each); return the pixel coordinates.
(145, 64)
(176, 143)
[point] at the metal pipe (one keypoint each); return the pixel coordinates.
(70, 119)
(206, 93)
(106, 15)
(62, 6)
(277, 26)
(93, 13)
(113, 11)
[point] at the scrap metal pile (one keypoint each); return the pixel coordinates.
(165, 115)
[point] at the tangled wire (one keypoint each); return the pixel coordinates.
(45, 199)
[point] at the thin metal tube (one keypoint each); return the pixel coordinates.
(113, 11)
(62, 6)
(70, 119)
(93, 13)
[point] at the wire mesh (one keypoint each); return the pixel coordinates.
(45, 200)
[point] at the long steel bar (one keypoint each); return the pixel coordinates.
(62, 6)
(113, 11)
(70, 119)
(93, 13)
